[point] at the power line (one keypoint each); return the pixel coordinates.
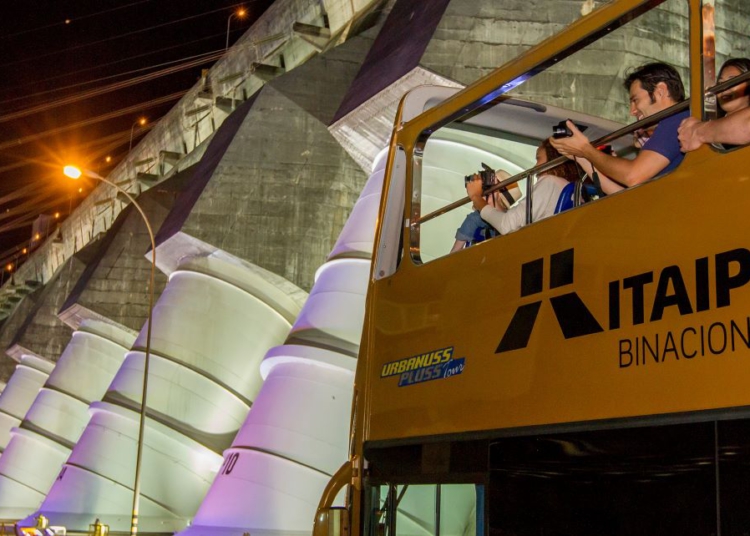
(12, 253)
(17, 165)
(99, 66)
(86, 89)
(42, 199)
(107, 89)
(48, 26)
(27, 219)
(23, 191)
(98, 119)
(103, 144)
(113, 38)
(102, 79)
(115, 143)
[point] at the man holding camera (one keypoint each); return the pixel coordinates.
(652, 88)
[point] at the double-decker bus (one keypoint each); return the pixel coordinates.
(588, 374)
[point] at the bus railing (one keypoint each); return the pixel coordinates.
(537, 170)
(646, 122)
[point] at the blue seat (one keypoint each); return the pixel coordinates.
(566, 200)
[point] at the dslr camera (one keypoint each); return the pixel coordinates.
(487, 174)
(561, 130)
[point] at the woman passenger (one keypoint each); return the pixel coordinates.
(474, 229)
(546, 192)
(735, 98)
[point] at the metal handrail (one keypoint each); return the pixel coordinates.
(718, 88)
(537, 170)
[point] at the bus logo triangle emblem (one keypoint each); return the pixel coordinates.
(573, 317)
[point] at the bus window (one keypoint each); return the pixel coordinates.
(590, 81)
(505, 133)
(654, 480)
(389, 250)
(451, 154)
(504, 136)
(726, 57)
(733, 442)
(687, 479)
(427, 510)
(725, 35)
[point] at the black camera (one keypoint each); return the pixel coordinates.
(487, 174)
(561, 130)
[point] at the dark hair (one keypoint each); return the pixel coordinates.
(651, 74)
(743, 66)
(568, 170)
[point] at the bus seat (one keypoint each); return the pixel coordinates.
(567, 198)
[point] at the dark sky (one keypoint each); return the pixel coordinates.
(54, 49)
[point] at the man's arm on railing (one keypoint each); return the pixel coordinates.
(733, 129)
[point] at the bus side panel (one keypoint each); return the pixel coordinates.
(635, 305)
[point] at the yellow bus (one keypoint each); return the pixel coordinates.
(586, 374)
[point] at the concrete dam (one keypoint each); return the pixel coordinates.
(262, 186)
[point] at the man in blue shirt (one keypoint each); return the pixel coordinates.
(652, 88)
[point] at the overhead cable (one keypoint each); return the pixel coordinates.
(83, 17)
(113, 38)
(105, 89)
(98, 119)
(96, 80)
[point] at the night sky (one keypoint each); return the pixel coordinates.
(59, 49)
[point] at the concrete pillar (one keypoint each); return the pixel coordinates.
(34, 328)
(212, 325)
(54, 423)
(20, 392)
(296, 435)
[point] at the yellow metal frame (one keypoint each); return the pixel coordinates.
(651, 229)
(408, 135)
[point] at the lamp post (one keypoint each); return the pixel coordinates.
(240, 14)
(141, 122)
(75, 173)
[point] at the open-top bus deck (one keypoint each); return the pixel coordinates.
(586, 374)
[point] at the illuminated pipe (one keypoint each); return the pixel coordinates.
(296, 435)
(20, 392)
(54, 423)
(212, 325)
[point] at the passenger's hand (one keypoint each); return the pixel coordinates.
(640, 137)
(687, 133)
(573, 146)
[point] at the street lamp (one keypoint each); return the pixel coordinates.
(240, 14)
(75, 173)
(141, 122)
